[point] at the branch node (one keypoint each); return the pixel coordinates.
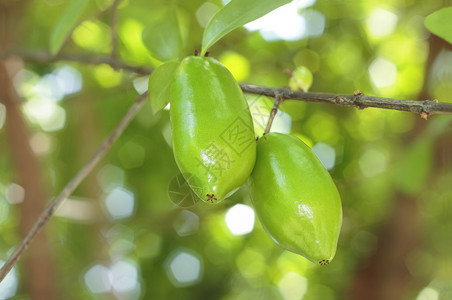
(339, 100)
(357, 95)
(424, 115)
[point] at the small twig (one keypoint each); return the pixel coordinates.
(278, 100)
(70, 187)
(114, 29)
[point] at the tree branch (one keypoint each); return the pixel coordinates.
(46, 58)
(358, 100)
(70, 187)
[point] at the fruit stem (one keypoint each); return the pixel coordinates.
(278, 100)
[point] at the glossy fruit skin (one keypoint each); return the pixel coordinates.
(295, 198)
(213, 137)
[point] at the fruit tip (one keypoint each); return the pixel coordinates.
(324, 262)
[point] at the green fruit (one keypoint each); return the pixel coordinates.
(213, 137)
(295, 198)
(301, 79)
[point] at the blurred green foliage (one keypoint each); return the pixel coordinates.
(139, 241)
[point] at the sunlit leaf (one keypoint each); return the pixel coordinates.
(160, 84)
(440, 23)
(162, 37)
(235, 14)
(65, 24)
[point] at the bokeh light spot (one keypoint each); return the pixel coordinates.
(184, 268)
(120, 203)
(240, 219)
(381, 22)
(49, 115)
(131, 155)
(326, 154)
(106, 76)
(124, 276)
(93, 35)
(97, 279)
(15, 193)
(251, 263)
(2, 115)
(428, 293)
(8, 287)
(186, 223)
(293, 286)
(40, 143)
(48, 88)
(283, 23)
(382, 72)
(68, 79)
(237, 64)
(141, 84)
(372, 163)
(205, 12)
(109, 177)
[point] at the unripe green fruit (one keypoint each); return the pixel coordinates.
(301, 79)
(295, 198)
(213, 137)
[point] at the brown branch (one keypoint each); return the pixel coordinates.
(70, 187)
(358, 100)
(45, 58)
(278, 101)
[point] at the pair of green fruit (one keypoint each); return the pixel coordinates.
(215, 148)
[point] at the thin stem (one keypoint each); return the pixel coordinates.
(70, 187)
(273, 112)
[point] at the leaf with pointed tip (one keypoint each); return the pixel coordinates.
(160, 85)
(66, 23)
(235, 14)
(162, 37)
(440, 23)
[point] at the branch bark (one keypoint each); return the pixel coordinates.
(70, 187)
(359, 100)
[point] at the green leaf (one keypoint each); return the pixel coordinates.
(235, 14)
(160, 85)
(66, 23)
(440, 23)
(162, 37)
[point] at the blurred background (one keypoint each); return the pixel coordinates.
(121, 236)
